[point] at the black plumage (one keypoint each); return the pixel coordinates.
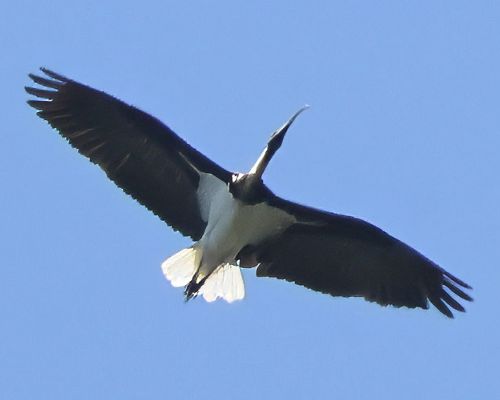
(327, 252)
(139, 153)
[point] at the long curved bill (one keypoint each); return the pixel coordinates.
(274, 143)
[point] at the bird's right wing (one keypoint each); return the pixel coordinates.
(345, 256)
(140, 154)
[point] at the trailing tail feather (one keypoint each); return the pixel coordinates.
(180, 268)
(225, 282)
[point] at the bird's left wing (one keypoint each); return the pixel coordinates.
(140, 154)
(345, 256)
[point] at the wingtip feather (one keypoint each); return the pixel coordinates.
(441, 306)
(53, 84)
(53, 75)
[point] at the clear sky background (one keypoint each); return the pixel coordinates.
(404, 131)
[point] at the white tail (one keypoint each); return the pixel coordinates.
(225, 282)
(180, 268)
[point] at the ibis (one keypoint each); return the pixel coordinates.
(234, 220)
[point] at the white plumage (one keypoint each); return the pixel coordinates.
(234, 219)
(231, 225)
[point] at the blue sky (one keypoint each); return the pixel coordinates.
(404, 131)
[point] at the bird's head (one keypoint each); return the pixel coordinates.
(274, 143)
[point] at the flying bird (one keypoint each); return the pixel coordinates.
(234, 219)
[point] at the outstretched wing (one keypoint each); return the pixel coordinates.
(345, 256)
(140, 154)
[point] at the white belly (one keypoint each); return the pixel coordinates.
(231, 225)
